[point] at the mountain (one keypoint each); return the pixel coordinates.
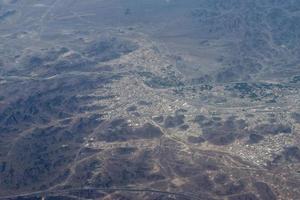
(151, 100)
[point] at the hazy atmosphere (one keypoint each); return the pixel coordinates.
(150, 99)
